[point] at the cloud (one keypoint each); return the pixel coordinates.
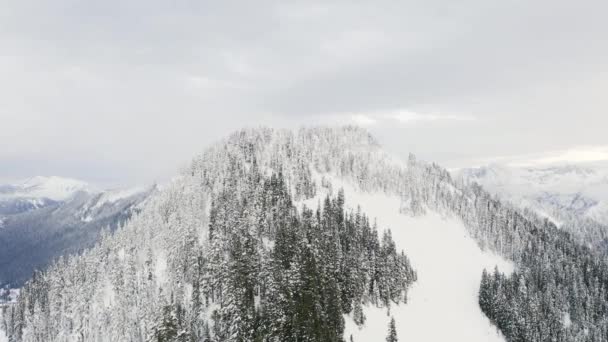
(574, 155)
(403, 117)
(583, 154)
(411, 117)
(143, 86)
(363, 120)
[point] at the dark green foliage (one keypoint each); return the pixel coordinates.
(558, 292)
(172, 327)
(264, 271)
(255, 269)
(292, 274)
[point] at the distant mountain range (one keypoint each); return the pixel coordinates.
(38, 192)
(573, 196)
(43, 218)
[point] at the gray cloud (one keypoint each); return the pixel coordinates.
(138, 87)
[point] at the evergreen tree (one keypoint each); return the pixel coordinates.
(392, 331)
(168, 329)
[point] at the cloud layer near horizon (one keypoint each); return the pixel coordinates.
(126, 91)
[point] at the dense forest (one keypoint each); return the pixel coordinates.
(558, 292)
(260, 268)
(276, 273)
(227, 252)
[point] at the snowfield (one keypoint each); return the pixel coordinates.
(442, 304)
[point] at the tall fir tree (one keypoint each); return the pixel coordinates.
(392, 331)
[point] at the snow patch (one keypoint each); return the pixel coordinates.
(108, 294)
(566, 320)
(268, 244)
(160, 268)
(121, 254)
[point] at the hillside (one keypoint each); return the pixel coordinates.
(66, 224)
(574, 197)
(442, 252)
(319, 235)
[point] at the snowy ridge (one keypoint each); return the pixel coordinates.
(109, 200)
(114, 195)
(53, 188)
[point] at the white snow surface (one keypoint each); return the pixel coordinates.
(442, 303)
(111, 196)
(54, 188)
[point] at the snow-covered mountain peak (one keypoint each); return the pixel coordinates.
(561, 192)
(327, 215)
(52, 187)
(559, 178)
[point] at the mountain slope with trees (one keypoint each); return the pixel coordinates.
(226, 253)
(30, 240)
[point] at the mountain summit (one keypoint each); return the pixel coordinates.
(320, 235)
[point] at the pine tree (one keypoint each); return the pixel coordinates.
(392, 331)
(167, 330)
(358, 315)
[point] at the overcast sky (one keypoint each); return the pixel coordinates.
(120, 92)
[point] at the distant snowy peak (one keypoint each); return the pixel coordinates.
(51, 188)
(554, 177)
(558, 192)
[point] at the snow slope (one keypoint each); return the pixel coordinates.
(442, 304)
(94, 207)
